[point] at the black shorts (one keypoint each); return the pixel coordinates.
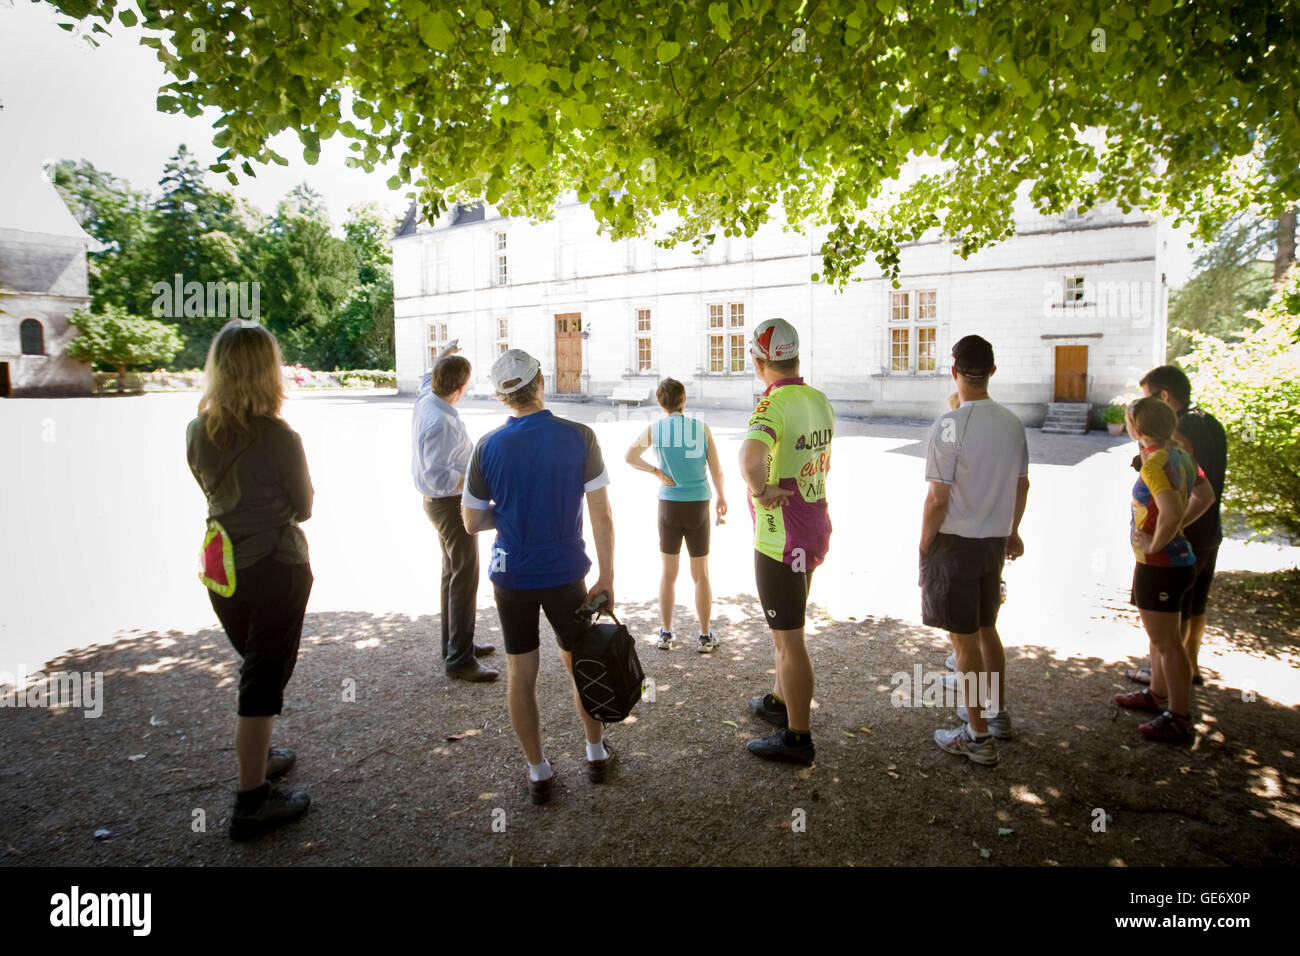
(1160, 589)
(518, 613)
(961, 582)
(1197, 597)
(263, 620)
(782, 592)
(684, 519)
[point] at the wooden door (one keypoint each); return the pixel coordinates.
(1071, 373)
(568, 353)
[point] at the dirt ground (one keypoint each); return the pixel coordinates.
(418, 768)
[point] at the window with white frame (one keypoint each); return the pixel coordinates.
(644, 345)
(1074, 290)
(566, 260)
(436, 272)
(437, 340)
(717, 350)
(640, 255)
(913, 330)
(736, 339)
(503, 335)
(500, 268)
(726, 337)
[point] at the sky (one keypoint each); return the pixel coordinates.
(63, 99)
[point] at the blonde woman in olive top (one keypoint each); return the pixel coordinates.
(685, 448)
(251, 467)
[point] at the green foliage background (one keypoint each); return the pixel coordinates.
(328, 299)
(1252, 387)
(1231, 280)
(115, 338)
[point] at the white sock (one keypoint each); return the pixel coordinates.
(539, 771)
(597, 751)
(975, 735)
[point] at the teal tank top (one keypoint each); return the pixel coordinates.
(682, 445)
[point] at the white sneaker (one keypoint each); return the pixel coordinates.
(999, 725)
(707, 643)
(665, 641)
(963, 743)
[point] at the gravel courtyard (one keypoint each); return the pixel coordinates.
(102, 523)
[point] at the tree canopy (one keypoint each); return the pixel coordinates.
(725, 110)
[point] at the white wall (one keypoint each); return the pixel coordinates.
(1010, 293)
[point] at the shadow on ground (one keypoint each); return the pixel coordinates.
(408, 767)
(1264, 610)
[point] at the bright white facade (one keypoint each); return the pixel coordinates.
(1075, 308)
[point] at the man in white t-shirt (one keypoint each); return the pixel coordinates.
(977, 466)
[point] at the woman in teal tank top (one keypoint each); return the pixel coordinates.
(686, 450)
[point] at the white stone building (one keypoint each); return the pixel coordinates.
(1075, 308)
(43, 278)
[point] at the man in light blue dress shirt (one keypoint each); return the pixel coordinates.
(441, 450)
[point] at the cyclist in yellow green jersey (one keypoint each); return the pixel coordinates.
(784, 460)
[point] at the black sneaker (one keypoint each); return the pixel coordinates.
(770, 709)
(279, 761)
(276, 810)
(775, 748)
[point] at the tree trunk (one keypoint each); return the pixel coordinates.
(1285, 245)
(121, 379)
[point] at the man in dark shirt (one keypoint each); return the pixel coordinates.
(1202, 435)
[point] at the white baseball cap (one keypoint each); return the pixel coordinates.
(514, 369)
(775, 340)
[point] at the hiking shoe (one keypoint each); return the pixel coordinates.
(775, 748)
(1167, 726)
(963, 743)
(707, 643)
(276, 810)
(999, 726)
(279, 760)
(597, 769)
(1140, 700)
(665, 641)
(950, 661)
(770, 709)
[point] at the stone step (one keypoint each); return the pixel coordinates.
(1067, 406)
(1063, 430)
(1082, 413)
